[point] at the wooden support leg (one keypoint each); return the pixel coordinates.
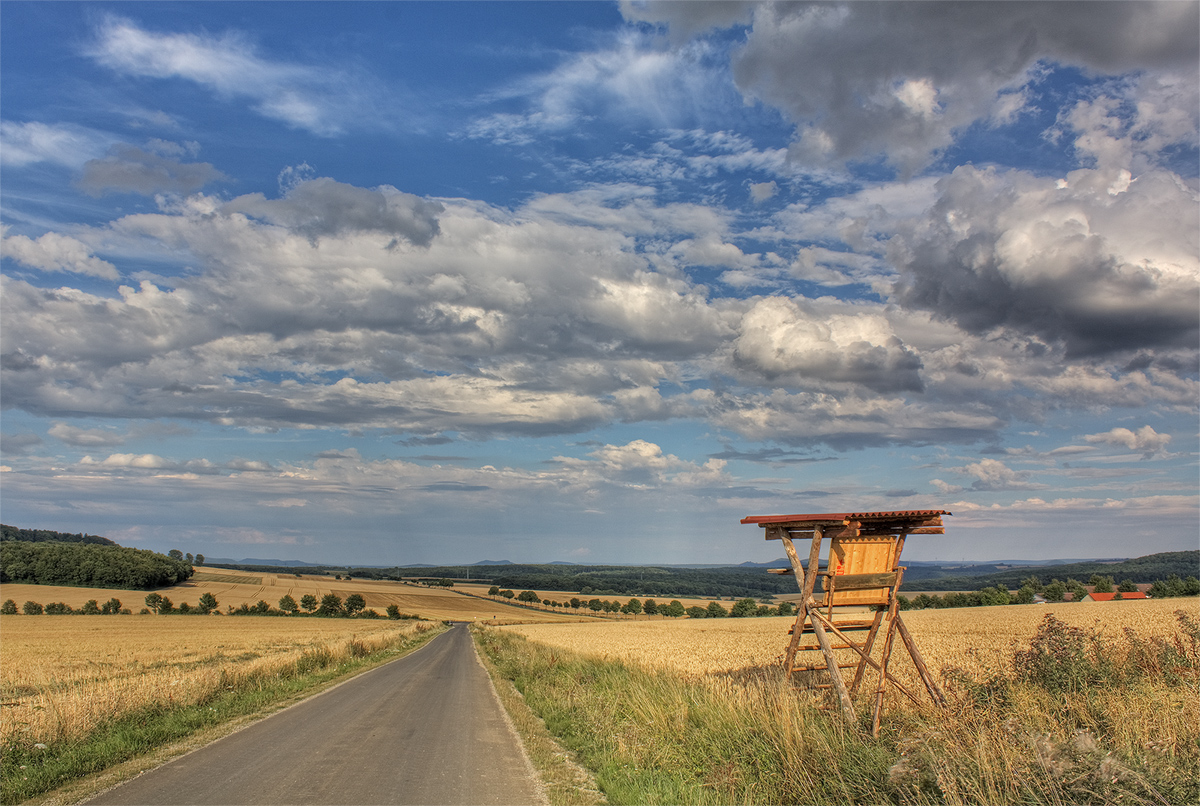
(868, 645)
(935, 693)
(877, 712)
(835, 674)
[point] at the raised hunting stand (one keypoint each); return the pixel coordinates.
(860, 585)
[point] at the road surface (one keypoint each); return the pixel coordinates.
(424, 729)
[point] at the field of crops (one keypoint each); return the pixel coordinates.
(974, 639)
(62, 675)
(234, 588)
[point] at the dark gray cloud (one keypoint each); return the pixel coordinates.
(19, 444)
(899, 78)
(325, 207)
(129, 169)
(1096, 262)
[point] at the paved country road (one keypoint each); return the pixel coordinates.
(424, 729)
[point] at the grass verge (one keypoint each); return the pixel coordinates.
(27, 772)
(565, 781)
(653, 737)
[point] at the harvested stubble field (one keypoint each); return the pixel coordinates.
(977, 640)
(64, 675)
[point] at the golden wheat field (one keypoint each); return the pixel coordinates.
(61, 675)
(975, 639)
(234, 588)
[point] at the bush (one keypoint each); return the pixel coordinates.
(113, 606)
(9, 608)
(31, 609)
(90, 608)
(58, 609)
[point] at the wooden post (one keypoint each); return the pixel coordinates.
(835, 674)
(877, 712)
(868, 645)
(935, 693)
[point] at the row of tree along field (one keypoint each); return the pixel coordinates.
(1055, 591)
(329, 606)
(650, 607)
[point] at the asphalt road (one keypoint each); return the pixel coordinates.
(424, 729)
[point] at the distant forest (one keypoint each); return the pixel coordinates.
(43, 535)
(1150, 568)
(86, 561)
(743, 581)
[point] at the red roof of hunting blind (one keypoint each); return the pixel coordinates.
(844, 517)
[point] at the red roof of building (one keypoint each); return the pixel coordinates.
(1108, 597)
(842, 517)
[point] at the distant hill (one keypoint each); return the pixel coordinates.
(494, 562)
(1140, 569)
(44, 536)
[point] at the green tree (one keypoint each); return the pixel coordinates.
(1024, 595)
(576, 603)
(528, 596)
(743, 608)
(355, 604)
(1127, 586)
(493, 591)
(633, 606)
(1101, 584)
(288, 605)
(1056, 591)
(90, 608)
(308, 602)
(715, 610)
(994, 596)
(696, 611)
(331, 605)
(154, 602)
(650, 607)
(199, 559)
(393, 611)
(596, 605)
(189, 557)
(32, 609)
(167, 606)
(175, 554)
(9, 608)
(507, 594)
(1034, 583)
(786, 609)
(208, 603)
(675, 609)
(185, 608)
(58, 609)
(1078, 591)
(261, 608)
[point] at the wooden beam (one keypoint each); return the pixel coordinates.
(852, 582)
(835, 673)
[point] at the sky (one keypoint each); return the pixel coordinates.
(419, 282)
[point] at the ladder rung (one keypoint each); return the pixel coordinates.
(824, 667)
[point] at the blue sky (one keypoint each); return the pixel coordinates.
(388, 283)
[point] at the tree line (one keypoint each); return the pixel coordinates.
(674, 609)
(89, 565)
(329, 606)
(1055, 591)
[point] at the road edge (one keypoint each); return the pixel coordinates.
(562, 779)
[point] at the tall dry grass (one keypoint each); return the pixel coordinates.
(657, 732)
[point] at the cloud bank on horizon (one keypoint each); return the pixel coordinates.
(424, 282)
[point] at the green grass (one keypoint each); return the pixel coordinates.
(657, 738)
(26, 772)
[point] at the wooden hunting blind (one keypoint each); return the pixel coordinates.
(858, 599)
